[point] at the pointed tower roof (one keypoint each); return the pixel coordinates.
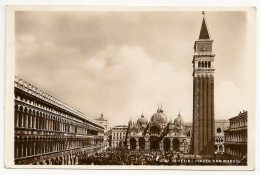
(204, 31)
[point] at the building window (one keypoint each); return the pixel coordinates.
(209, 64)
(218, 130)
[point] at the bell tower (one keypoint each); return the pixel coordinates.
(203, 93)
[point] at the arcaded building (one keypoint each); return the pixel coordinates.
(236, 137)
(50, 132)
(159, 133)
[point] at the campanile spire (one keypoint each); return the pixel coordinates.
(204, 31)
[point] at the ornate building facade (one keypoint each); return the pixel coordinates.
(158, 133)
(220, 127)
(236, 137)
(203, 93)
(118, 134)
(48, 131)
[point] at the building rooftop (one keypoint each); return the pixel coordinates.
(241, 114)
(120, 126)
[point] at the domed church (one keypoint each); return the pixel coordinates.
(159, 133)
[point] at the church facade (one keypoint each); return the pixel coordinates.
(158, 133)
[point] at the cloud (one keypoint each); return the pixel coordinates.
(229, 99)
(136, 81)
(121, 63)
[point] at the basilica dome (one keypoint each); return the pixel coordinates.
(142, 120)
(159, 117)
(178, 122)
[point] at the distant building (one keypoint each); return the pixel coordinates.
(220, 127)
(103, 122)
(236, 137)
(118, 135)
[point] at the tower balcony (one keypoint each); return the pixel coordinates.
(198, 54)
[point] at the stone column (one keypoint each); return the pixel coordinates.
(22, 120)
(137, 144)
(147, 144)
(161, 145)
(26, 120)
(128, 144)
(16, 118)
(26, 147)
(16, 148)
(171, 145)
(62, 161)
(34, 122)
(69, 163)
(76, 160)
(30, 124)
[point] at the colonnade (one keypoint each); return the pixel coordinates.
(236, 151)
(166, 144)
(31, 146)
(48, 131)
(238, 123)
(204, 64)
(43, 120)
(236, 137)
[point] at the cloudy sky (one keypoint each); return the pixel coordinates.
(123, 63)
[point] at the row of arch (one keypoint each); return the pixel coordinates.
(38, 108)
(74, 157)
(238, 123)
(34, 119)
(236, 138)
(219, 148)
(26, 147)
(45, 106)
(219, 139)
(236, 152)
(36, 146)
(33, 90)
(204, 64)
(155, 143)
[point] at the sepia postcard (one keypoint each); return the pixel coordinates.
(92, 87)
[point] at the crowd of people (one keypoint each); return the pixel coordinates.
(121, 156)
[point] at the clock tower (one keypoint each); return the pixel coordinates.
(203, 93)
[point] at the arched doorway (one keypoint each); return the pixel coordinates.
(220, 148)
(166, 144)
(216, 148)
(176, 144)
(185, 145)
(141, 143)
(132, 143)
(154, 130)
(154, 143)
